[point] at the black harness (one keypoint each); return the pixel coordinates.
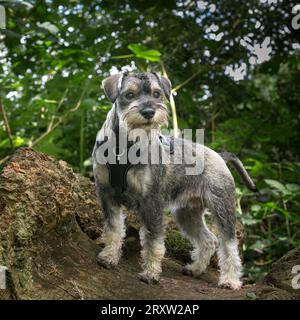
(118, 171)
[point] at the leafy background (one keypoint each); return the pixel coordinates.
(54, 55)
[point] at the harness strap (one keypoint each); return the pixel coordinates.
(118, 171)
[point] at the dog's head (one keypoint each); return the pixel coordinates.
(139, 98)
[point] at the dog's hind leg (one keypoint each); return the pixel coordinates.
(222, 204)
(192, 223)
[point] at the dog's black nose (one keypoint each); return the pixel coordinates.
(148, 113)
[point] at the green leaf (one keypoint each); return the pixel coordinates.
(275, 207)
(292, 187)
(143, 52)
(250, 221)
(88, 103)
(48, 26)
(255, 207)
(251, 296)
(259, 245)
(276, 185)
(19, 141)
(4, 143)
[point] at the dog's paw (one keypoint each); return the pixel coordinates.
(148, 278)
(186, 270)
(190, 270)
(230, 284)
(106, 261)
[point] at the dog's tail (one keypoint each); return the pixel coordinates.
(239, 167)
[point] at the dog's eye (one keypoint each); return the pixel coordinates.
(129, 95)
(156, 94)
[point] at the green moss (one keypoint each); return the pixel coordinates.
(177, 246)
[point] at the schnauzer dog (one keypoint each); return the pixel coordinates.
(147, 189)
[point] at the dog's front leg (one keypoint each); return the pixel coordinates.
(113, 234)
(153, 247)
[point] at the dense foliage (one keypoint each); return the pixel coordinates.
(235, 67)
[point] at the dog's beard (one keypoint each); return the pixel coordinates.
(133, 119)
(160, 119)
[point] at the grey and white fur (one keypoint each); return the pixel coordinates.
(138, 102)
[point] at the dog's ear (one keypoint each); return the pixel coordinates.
(111, 86)
(166, 84)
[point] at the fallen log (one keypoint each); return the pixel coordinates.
(43, 204)
(50, 230)
(282, 282)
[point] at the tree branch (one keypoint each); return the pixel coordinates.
(59, 121)
(7, 126)
(172, 103)
(186, 81)
(4, 159)
(57, 108)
